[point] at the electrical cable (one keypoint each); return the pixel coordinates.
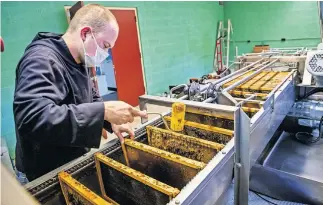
(307, 138)
(203, 78)
(263, 198)
(315, 90)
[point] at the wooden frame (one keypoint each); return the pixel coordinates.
(66, 8)
(134, 174)
(83, 193)
(163, 154)
(184, 145)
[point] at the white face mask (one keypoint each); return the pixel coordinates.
(98, 58)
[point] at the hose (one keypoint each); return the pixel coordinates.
(175, 88)
(306, 137)
(315, 90)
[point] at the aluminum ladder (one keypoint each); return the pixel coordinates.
(222, 46)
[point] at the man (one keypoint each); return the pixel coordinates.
(58, 113)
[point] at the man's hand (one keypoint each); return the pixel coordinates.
(119, 129)
(104, 134)
(118, 112)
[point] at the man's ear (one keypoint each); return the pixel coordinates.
(84, 32)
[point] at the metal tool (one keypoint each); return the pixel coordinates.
(162, 117)
(178, 117)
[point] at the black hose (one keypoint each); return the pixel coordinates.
(263, 198)
(204, 77)
(315, 90)
(307, 138)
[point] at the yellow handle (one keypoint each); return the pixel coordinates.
(178, 117)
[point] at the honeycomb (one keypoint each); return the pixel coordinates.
(155, 171)
(76, 193)
(116, 178)
(260, 86)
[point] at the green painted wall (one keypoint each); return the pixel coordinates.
(268, 22)
(178, 40)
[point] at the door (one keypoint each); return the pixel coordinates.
(127, 58)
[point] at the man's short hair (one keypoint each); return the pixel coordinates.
(93, 15)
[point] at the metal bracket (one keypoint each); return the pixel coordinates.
(225, 98)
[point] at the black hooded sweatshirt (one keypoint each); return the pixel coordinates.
(58, 114)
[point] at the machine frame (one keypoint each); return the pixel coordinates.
(255, 134)
(240, 154)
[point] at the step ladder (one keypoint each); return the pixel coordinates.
(222, 46)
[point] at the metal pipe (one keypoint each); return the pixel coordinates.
(288, 48)
(209, 100)
(241, 74)
(218, 81)
(248, 77)
(175, 88)
(251, 101)
(237, 72)
(204, 87)
(247, 99)
(184, 97)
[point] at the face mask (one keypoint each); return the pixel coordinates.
(98, 58)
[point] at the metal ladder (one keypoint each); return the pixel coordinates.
(221, 62)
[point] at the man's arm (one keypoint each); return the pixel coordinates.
(95, 94)
(40, 88)
(97, 98)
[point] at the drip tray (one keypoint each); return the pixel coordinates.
(291, 156)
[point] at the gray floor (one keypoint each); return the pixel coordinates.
(254, 199)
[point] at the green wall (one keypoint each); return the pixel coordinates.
(268, 22)
(177, 38)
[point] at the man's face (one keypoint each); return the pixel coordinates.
(105, 39)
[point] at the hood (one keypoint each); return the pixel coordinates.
(55, 42)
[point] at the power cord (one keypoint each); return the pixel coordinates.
(263, 198)
(315, 90)
(307, 138)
